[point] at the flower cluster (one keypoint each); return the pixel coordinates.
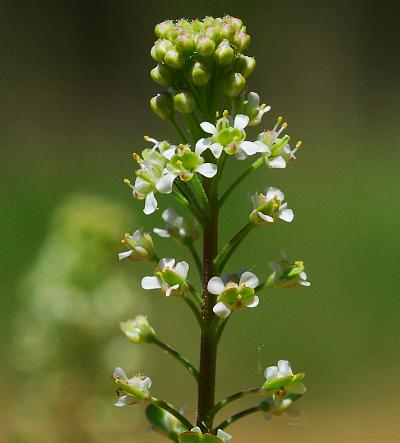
(287, 274)
(131, 390)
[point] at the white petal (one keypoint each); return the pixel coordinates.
(207, 169)
(150, 204)
(267, 218)
(277, 163)
(120, 373)
(221, 310)
(166, 263)
(161, 232)
(250, 148)
(215, 286)
(170, 289)
(305, 283)
(262, 147)
(274, 192)
(169, 216)
(182, 268)
(297, 388)
(196, 429)
(253, 303)
(202, 145)
(286, 215)
(249, 279)
(208, 127)
(145, 384)
(164, 184)
(271, 372)
(241, 155)
(241, 121)
(216, 149)
(224, 436)
(284, 368)
(150, 283)
(126, 254)
(168, 153)
(125, 400)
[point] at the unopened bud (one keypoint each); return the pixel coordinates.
(205, 45)
(223, 55)
(154, 55)
(241, 40)
(213, 31)
(245, 65)
(227, 31)
(162, 75)
(184, 102)
(174, 58)
(162, 105)
(200, 74)
(164, 28)
(184, 42)
(162, 46)
(234, 84)
(235, 22)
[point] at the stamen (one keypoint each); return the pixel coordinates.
(298, 144)
(225, 113)
(137, 157)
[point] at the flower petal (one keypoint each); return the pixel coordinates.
(126, 254)
(169, 216)
(145, 384)
(224, 436)
(170, 289)
(286, 215)
(215, 285)
(120, 373)
(250, 148)
(202, 145)
(165, 183)
(297, 388)
(150, 283)
(271, 372)
(125, 400)
(277, 163)
(161, 232)
(274, 192)
(216, 149)
(249, 279)
(166, 263)
(182, 268)
(207, 169)
(150, 204)
(284, 368)
(241, 121)
(221, 310)
(265, 217)
(168, 153)
(252, 303)
(208, 127)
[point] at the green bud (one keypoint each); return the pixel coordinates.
(227, 31)
(223, 55)
(241, 40)
(234, 84)
(154, 55)
(235, 22)
(184, 102)
(162, 47)
(245, 65)
(184, 42)
(163, 29)
(197, 26)
(162, 105)
(200, 74)
(205, 45)
(174, 58)
(213, 31)
(162, 75)
(138, 330)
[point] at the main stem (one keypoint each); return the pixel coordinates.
(208, 346)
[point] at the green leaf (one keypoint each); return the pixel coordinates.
(164, 423)
(194, 437)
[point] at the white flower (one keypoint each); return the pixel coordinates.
(184, 164)
(169, 277)
(138, 330)
(142, 247)
(233, 296)
(281, 381)
(222, 435)
(286, 274)
(132, 390)
(270, 206)
(231, 139)
(253, 109)
(166, 149)
(182, 229)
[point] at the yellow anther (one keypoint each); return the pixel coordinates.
(181, 146)
(147, 138)
(284, 125)
(136, 157)
(123, 241)
(127, 181)
(279, 120)
(217, 114)
(298, 144)
(225, 113)
(263, 106)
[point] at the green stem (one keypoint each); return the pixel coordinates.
(196, 258)
(236, 417)
(201, 193)
(186, 191)
(226, 401)
(196, 295)
(190, 207)
(194, 127)
(195, 311)
(241, 177)
(167, 407)
(230, 247)
(183, 360)
(178, 130)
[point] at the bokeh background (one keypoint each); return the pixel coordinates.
(74, 88)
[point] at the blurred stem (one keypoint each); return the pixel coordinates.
(237, 417)
(196, 258)
(190, 207)
(255, 165)
(178, 130)
(226, 401)
(195, 311)
(230, 247)
(167, 407)
(186, 191)
(183, 360)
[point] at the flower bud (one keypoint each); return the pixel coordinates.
(141, 247)
(131, 390)
(287, 275)
(163, 29)
(235, 22)
(205, 45)
(162, 105)
(227, 31)
(184, 102)
(241, 40)
(213, 31)
(162, 46)
(154, 55)
(223, 55)
(200, 74)
(138, 330)
(184, 42)
(234, 84)
(173, 58)
(162, 75)
(245, 65)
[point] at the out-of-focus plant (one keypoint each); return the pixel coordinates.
(203, 67)
(65, 335)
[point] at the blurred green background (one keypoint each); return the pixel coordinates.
(74, 90)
